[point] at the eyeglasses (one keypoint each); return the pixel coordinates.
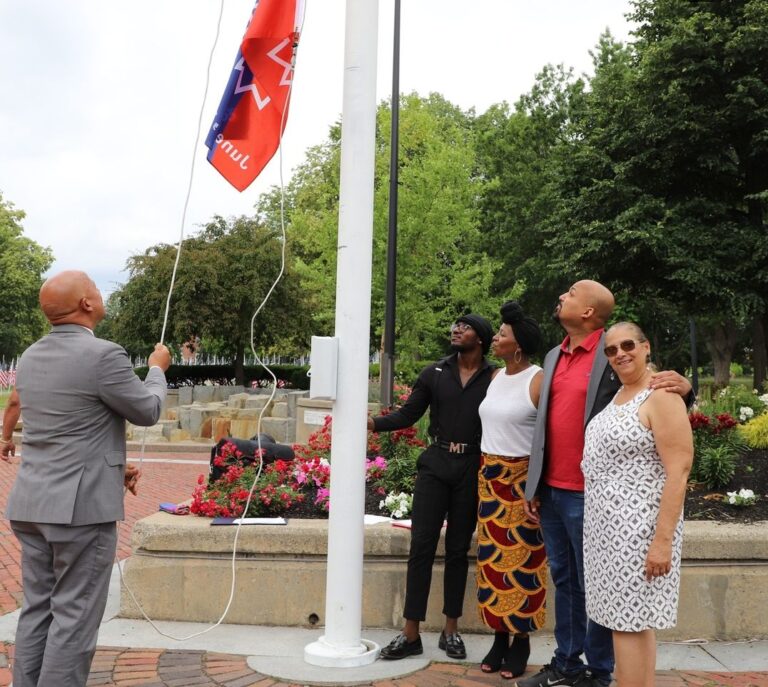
(627, 345)
(460, 327)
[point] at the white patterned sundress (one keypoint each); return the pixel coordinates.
(624, 477)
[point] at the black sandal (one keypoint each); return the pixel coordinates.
(495, 657)
(516, 657)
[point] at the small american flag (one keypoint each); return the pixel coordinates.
(8, 377)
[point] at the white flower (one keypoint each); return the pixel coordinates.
(743, 497)
(745, 412)
(764, 398)
(398, 504)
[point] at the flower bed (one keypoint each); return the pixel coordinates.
(729, 457)
(729, 479)
(300, 487)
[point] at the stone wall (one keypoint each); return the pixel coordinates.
(208, 413)
(180, 570)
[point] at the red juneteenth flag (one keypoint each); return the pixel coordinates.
(253, 111)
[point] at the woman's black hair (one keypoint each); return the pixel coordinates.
(525, 328)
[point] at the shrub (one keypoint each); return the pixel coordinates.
(407, 371)
(280, 486)
(716, 465)
(716, 445)
(755, 432)
(401, 449)
(273, 494)
(397, 504)
(390, 467)
(293, 376)
(732, 400)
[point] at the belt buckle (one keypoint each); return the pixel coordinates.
(456, 447)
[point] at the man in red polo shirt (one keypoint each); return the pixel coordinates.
(578, 383)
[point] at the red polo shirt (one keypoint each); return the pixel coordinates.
(565, 417)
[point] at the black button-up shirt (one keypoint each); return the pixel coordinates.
(454, 415)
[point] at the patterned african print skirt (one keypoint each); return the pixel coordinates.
(511, 563)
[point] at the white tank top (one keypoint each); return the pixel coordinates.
(508, 414)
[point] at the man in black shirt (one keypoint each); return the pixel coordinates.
(446, 484)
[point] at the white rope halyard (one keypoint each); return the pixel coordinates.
(253, 349)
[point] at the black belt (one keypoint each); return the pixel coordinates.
(457, 447)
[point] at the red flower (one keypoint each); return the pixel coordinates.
(698, 420)
(726, 421)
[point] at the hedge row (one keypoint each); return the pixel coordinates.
(187, 375)
(294, 375)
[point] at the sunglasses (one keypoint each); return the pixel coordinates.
(460, 327)
(627, 345)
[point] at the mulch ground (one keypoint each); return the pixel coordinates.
(702, 503)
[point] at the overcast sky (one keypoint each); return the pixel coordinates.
(100, 101)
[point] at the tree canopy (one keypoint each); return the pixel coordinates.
(224, 273)
(650, 175)
(22, 264)
(442, 271)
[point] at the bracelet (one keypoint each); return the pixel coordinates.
(7, 441)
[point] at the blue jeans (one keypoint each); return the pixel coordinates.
(562, 524)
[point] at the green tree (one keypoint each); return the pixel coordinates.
(441, 270)
(22, 263)
(659, 178)
(224, 273)
(518, 155)
(703, 89)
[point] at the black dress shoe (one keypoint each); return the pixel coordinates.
(453, 645)
(400, 647)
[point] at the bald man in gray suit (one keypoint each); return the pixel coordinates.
(75, 393)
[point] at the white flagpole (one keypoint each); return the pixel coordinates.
(342, 646)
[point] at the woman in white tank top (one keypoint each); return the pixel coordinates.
(511, 564)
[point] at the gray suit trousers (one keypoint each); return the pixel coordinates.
(65, 572)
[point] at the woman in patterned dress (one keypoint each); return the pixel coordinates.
(511, 564)
(637, 455)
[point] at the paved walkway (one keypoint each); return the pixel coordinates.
(153, 668)
(172, 477)
(165, 477)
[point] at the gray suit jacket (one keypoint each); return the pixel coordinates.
(76, 392)
(603, 385)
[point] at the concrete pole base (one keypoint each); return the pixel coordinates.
(321, 653)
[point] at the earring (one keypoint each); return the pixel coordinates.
(518, 356)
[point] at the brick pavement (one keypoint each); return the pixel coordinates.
(167, 481)
(116, 667)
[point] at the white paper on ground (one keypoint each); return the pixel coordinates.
(259, 521)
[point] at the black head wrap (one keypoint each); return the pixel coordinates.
(525, 329)
(482, 328)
